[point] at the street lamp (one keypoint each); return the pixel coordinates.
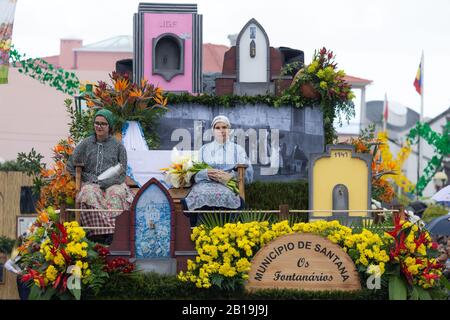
(80, 100)
(440, 178)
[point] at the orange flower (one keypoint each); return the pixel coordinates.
(136, 93)
(119, 100)
(90, 104)
(58, 148)
(43, 217)
(160, 100)
(121, 84)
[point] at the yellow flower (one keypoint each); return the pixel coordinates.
(59, 260)
(320, 74)
(243, 265)
(51, 273)
(313, 66)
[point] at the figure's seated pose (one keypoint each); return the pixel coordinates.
(98, 153)
(210, 191)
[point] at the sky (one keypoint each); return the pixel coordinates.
(379, 40)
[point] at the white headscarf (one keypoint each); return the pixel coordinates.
(221, 118)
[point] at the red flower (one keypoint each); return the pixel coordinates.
(407, 274)
(64, 285)
(422, 240)
(58, 279)
(30, 275)
(397, 226)
(430, 276)
(66, 257)
(33, 274)
(63, 232)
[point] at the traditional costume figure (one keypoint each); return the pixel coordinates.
(210, 190)
(101, 190)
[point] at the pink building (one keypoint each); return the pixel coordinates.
(32, 115)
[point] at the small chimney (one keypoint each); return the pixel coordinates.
(232, 38)
(67, 55)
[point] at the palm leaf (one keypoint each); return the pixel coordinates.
(216, 219)
(294, 218)
(250, 216)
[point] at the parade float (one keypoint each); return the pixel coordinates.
(308, 231)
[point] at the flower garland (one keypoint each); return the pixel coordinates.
(441, 146)
(46, 73)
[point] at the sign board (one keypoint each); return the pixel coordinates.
(303, 261)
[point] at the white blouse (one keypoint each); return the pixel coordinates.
(224, 156)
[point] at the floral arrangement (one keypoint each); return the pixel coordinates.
(322, 81)
(396, 165)
(413, 259)
(382, 167)
(57, 185)
(59, 261)
(183, 168)
(120, 265)
(225, 253)
(54, 253)
(129, 101)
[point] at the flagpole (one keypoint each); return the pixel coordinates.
(384, 112)
(422, 82)
(422, 89)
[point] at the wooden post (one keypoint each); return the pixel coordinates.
(284, 212)
(78, 170)
(62, 213)
(401, 211)
(241, 180)
(378, 218)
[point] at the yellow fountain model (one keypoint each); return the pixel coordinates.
(339, 179)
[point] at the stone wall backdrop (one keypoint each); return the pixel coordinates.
(300, 133)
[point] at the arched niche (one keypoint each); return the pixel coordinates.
(253, 54)
(168, 55)
(152, 211)
(340, 200)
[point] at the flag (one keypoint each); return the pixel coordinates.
(385, 112)
(419, 78)
(7, 10)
